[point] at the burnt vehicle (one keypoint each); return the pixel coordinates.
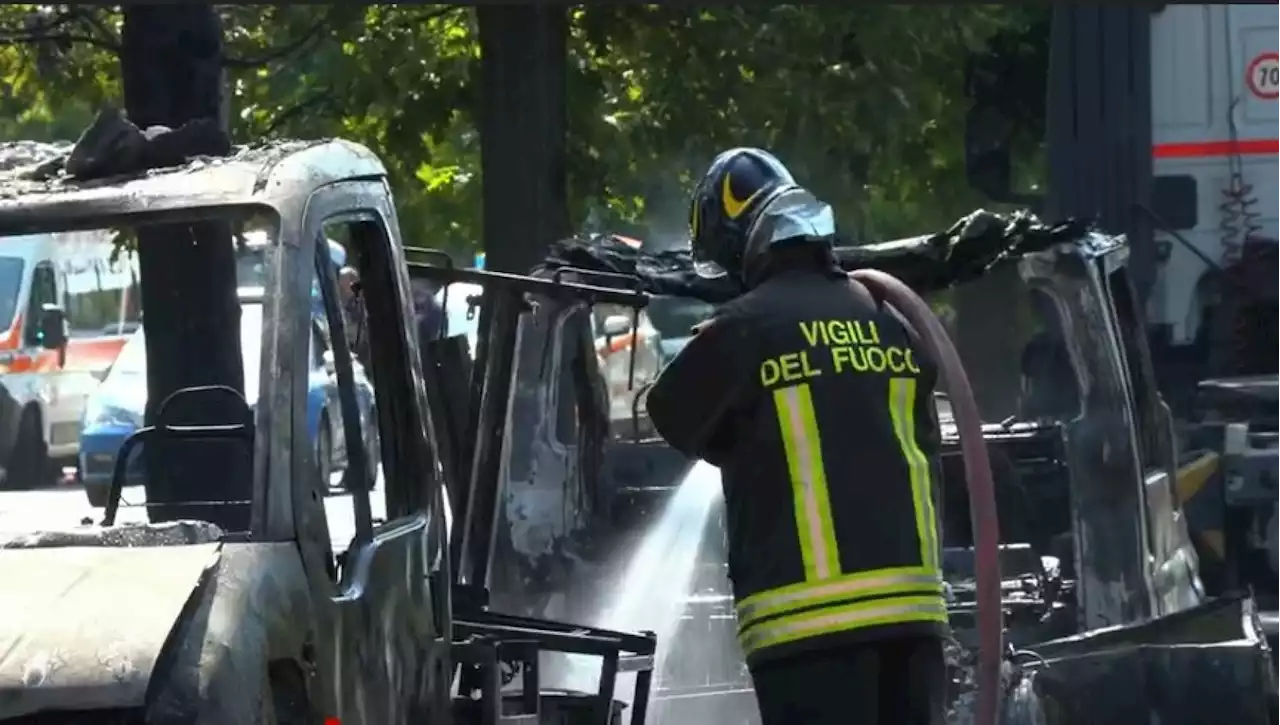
(273, 622)
(1197, 204)
(264, 622)
(1102, 593)
(315, 608)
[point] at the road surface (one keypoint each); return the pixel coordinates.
(64, 507)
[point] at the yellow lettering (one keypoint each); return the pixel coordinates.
(858, 359)
(840, 356)
(853, 332)
(868, 335)
(894, 357)
(810, 331)
(837, 332)
(809, 370)
(875, 359)
(911, 363)
(770, 373)
(790, 367)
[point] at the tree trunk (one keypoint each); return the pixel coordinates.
(523, 58)
(171, 65)
(522, 161)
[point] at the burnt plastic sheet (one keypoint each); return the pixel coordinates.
(971, 247)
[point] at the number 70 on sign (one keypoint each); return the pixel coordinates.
(1262, 75)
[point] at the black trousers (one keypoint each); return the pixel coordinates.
(889, 682)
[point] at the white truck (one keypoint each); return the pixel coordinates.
(1159, 122)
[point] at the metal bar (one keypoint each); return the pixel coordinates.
(579, 644)
(640, 701)
(645, 643)
(172, 432)
(530, 680)
(604, 692)
(467, 445)
(499, 319)
(120, 472)
(491, 689)
(592, 294)
(635, 663)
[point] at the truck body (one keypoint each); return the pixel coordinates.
(1214, 146)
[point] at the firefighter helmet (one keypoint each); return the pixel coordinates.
(743, 189)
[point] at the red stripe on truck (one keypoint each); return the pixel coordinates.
(1206, 149)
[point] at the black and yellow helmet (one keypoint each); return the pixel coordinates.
(727, 202)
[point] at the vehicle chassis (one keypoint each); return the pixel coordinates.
(484, 638)
(1125, 584)
(395, 594)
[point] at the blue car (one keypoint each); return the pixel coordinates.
(115, 409)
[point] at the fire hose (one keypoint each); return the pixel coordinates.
(977, 468)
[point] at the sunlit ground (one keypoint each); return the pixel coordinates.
(65, 506)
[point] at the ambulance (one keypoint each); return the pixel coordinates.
(68, 303)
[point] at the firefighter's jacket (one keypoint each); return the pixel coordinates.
(817, 406)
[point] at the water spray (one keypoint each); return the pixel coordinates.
(657, 572)
(977, 467)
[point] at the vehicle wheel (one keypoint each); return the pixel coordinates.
(324, 456)
(29, 462)
(97, 495)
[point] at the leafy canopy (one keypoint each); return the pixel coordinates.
(866, 103)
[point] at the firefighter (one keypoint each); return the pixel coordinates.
(815, 401)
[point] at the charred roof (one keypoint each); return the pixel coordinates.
(38, 194)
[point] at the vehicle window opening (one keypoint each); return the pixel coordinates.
(12, 271)
(198, 425)
(100, 296)
(333, 407)
(1174, 201)
(396, 430)
(1050, 389)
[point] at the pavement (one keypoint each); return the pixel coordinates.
(65, 506)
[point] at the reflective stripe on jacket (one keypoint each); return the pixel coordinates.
(818, 408)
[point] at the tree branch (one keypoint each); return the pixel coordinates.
(322, 97)
(54, 29)
(439, 12)
(58, 38)
(282, 52)
(89, 16)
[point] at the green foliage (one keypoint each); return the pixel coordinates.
(865, 102)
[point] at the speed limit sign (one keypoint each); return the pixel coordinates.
(1263, 75)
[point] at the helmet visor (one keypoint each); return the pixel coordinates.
(795, 214)
(703, 264)
(707, 269)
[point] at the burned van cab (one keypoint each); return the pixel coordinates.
(248, 602)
